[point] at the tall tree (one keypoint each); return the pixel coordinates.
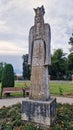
(2, 64)
(70, 64)
(8, 76)
(26, 67)
(71, 42)
(59, 65)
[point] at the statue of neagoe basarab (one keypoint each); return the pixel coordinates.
(40, 107)
(39, 56)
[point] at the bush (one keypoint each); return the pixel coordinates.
(64, 118)
(60, 91)
(8, 76)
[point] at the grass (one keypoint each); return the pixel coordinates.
(22, 84)
(56, 88)
(67, 88)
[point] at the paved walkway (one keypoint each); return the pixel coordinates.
(11, 101)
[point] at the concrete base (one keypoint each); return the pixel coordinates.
(40, 112)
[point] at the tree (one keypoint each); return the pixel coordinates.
(8, 76)
(26, 67)
(70, 64)
(1, 69)
(2, 64)
(70, 61)
(59, 65)
(71, 42)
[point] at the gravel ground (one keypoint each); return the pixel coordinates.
(11, 101)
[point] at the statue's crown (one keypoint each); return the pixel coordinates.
(40, 10)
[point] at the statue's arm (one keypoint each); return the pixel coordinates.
(48, 44)
(31, 32)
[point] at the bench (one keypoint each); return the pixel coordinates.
(8, 90)
(26, 91)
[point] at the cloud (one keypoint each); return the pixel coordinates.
(11, 48)
(3, 26)
(17, 17)
(60, 16)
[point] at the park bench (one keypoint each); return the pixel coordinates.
(8, 90)
(26, 91)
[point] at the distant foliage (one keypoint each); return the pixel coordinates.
(70, 62)
(71, 42)
(8, 76)
(61, 66)
(26, 67)
(58, 68)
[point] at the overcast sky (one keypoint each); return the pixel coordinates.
(16, 18)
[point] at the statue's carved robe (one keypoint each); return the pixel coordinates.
(39, 59)
(46, 43)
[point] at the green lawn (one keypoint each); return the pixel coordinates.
(22, 84)
(66, 88)
(56, 88)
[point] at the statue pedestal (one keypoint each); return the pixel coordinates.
(39, 112)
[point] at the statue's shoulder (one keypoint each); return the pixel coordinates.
(47, 26)
(31, 29)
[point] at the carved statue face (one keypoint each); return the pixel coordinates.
(37, 19)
